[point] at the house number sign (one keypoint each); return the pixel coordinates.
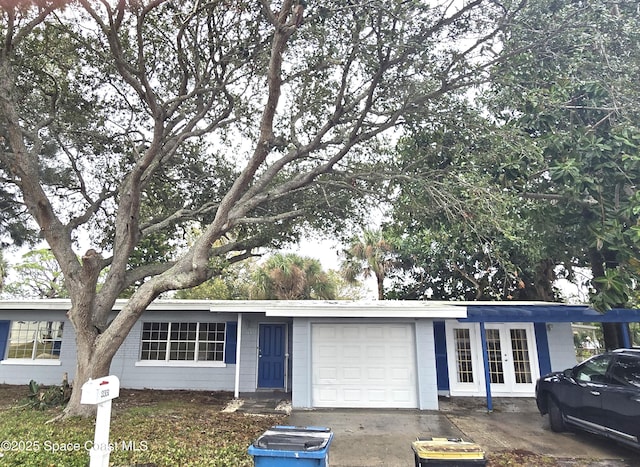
(101, 392)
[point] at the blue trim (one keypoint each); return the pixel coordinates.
(542, 345)
(487, 371)
(230, 342)
(4, 337)
(442, 367)
(547, 314)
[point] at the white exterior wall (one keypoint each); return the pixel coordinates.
(426, 365)
(561, 351)
(126, 363)
(301, 363)
(249, 352)
(134, 375)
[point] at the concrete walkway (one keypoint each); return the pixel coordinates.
(365, 437)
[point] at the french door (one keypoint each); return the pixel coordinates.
(512, 359)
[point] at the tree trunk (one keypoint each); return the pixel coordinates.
(613, 335)
(611, 332)
(90, 365)
(545, 277)
(380, 283)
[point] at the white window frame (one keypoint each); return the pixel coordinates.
(35, 328)
(167, 362)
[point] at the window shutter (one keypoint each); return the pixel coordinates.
(4, 336)
(230, 342)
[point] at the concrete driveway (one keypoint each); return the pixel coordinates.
(366, 437)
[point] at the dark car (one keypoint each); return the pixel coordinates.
(600, 395)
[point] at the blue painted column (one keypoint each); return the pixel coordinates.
(487, 371)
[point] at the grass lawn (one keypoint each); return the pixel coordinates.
(151, 428)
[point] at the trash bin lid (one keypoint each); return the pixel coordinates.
(447, 448)
(289, 438)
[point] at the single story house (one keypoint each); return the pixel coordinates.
(377, 354)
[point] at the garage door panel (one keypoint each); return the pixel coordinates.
(378, 395)
(327, 333)
(351, 351)
(369, 365)
(326, 395)
(327, 375)
(374, 332)
(398, 352)
(402, 396)
(376, 374)
(400, 375)
(375, 351)
(350, 333)
(399, 332)
(329, 350)
(352, 395)
(352, 374)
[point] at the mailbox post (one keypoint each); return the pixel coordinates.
(100, 392)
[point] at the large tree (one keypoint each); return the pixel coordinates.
(124, 123)
(540, 177)
(578, 105)
(458, 234)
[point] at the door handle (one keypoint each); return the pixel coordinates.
(595, 393)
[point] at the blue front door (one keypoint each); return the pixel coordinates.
(271, 355)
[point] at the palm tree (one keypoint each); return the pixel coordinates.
(367, 256)
(292, 277)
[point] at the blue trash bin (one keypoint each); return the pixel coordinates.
(282, 446)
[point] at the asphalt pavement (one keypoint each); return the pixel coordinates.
(367, 437)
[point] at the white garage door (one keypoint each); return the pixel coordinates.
(363, 365)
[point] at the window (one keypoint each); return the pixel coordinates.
(626, 371)
(35, 340)
(521, 360)
(494, 349)
(183, 342)
(463, 355)
(594, 370)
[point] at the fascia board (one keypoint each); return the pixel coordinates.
(383, 309)
(44, 304)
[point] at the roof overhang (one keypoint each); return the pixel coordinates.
(277, 308)
(44, 304)
(365, 309)
(65, 304)
(547, 313)
(537, 312)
